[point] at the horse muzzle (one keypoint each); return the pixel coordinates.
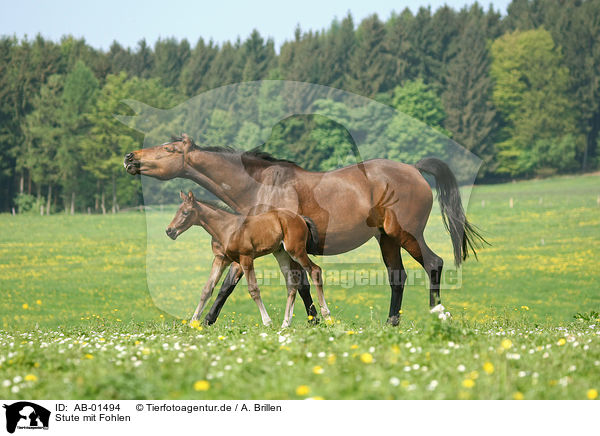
(132, 166)
(172, 233)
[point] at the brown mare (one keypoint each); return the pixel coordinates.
(379, 198)
(241, 239)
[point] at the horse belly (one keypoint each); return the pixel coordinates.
(338, 242)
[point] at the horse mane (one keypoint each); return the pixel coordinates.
(214, 204)
(255, 152)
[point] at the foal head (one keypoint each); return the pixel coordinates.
(185, 217)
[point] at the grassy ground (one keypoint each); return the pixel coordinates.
(92, 307)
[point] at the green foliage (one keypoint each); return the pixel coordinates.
(26, 203)
(109, 139)
(369, 60)
(471, 115)
(530, 94)
(519, 90)
(417, 130)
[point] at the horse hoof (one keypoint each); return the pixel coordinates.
(394, 320)
(208, 322)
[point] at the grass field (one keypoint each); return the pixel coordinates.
(93, 307)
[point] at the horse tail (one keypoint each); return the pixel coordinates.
(312, 243)
(464, 235)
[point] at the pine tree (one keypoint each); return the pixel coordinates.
(258, 57)
(369, 62)
(169, 58)
(194, 75)
(471, 116)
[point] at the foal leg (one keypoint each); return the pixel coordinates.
(390, 251)
(248, 267)
(218, 266)
(285, 261)
(231, 280)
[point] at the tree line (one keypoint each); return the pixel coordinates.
(521, 91)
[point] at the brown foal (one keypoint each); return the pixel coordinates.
(241, 239)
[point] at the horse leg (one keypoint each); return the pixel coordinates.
(433, 264)
(247, 264)
(218, 266)
(231, 280)
(316, 275)
(390, 251)
(285, 261)
(304, 291)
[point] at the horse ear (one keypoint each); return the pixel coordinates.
(182, 195)
(191, 195)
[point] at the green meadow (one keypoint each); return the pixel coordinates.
(96, 307)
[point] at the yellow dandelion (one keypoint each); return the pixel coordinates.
(468, 383)
(405, 383)
(473, 375)
(162, 316)
(302, 390)
(561, 341)
(31, 377)
(317, 370)
(25, 306)
(310, 318)
(353, 347)
(184, 321)
(350, 332)
(316, 398)
(506, 344)
(592, 394)
(517, 396)
(488, 367)
(38, 302)
(220, 338)
(36, 365)
(89, 356)
(202, 385)
(331, 359)
(366, 358)
(195, 323)
(525, 307)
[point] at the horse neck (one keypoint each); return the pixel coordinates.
(224, 175)
(216, 222)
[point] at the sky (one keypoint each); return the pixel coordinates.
(102, 22)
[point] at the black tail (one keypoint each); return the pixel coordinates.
(464, 235)
(312, 243)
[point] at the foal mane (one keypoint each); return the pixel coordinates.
(214, 204)
(255, 152)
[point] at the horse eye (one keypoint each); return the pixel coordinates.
(185, 213)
